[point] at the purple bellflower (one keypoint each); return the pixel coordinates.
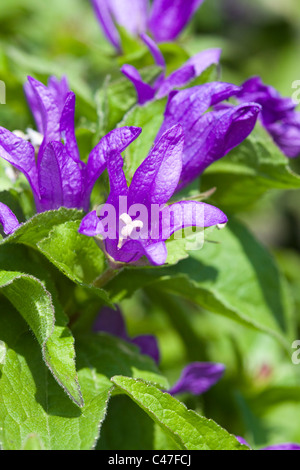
(287, 446)
(164, 85)
(136, 221)
(54, 170)
(209, 134)
(165, 19)
(196, 378)
(278, 114)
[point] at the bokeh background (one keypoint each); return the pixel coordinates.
(259, 396)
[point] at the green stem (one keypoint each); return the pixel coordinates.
(106, 277)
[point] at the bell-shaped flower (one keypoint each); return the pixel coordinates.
(180, 78)
(196, 378)
(54, 170)
(164, 19)
(209, 134)
(278, 114)
(136, 221)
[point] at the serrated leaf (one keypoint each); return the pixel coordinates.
(39, 226)
(76, 255)
(187, 428)
(31, 402)
(248, 172)
(232, 275)
(35, 304)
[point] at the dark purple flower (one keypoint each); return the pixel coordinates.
(112, 322)
(178, 79)
(54, 170)
(165, 19)
(196, 378)
(287, 446)
(209, 136)
(136, 221)
(278, 114)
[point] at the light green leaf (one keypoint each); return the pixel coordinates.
(188, 429)
(39, 226)
(248, 172)
(33, 442)
(76, 255)
(48, 323)
(232, 275)
(31, 402)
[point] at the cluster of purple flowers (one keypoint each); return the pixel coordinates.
(200, 126)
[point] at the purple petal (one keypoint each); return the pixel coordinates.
(144, 91)
(204, 59)
(198, 377)
(130, 252)
(49, 111)
(169, 17)
(177, 79)
(20, 154)
(67, 126)
(34, 105)
(112, 322)
(148, 345)
(155, 51)
(187, 106)
(287, 446)
(115, 141)
(286, 134)
(189, 214)
(213, 136)
(242, 441)
(133, 19)
(133, 16)
(274, 106)
(157, 177)
(60, 179)
(90, 225)
(8, 219)
(156, 253)
(104, 16)
(60, 90)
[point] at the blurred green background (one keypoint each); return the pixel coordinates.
(260, 394)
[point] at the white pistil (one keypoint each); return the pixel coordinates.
(128, 228)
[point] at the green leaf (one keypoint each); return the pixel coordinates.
(33, 442)
(31, 402)
(232, 275)
(76, 255)
(39, 226)
(48, 323)
(248, 172)
(188, 429)
(149, 117)
(135, 428)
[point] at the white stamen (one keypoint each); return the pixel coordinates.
(36, 138)
(128, 228)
